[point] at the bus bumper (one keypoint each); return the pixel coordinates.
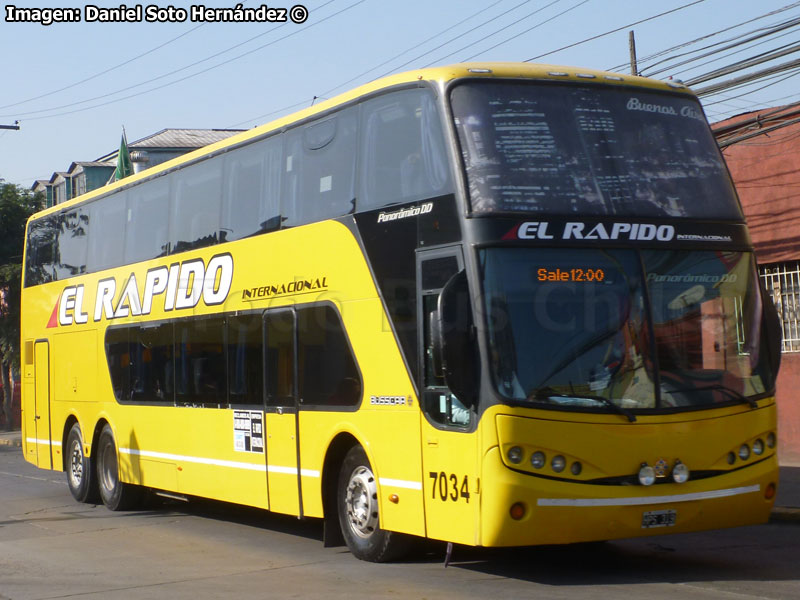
(556, 512)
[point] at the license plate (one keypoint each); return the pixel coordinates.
(659, 518)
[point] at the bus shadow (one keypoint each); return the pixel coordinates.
(240, 515)
(751, 554)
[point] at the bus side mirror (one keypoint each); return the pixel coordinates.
(455, 338)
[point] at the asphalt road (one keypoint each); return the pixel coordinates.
(53, 547)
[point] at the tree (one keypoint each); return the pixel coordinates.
(16, 205)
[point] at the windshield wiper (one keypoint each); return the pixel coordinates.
(548, 392)
(738, 396)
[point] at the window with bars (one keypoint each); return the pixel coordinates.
(782, 281)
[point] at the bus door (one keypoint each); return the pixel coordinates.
(449, 438)
(37, 411)
(281, 426)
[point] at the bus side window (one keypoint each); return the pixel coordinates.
(40, 260)
(319, 169)
(402, 150)
(196, 204)
(151, 364)
(245, 360)
(146, 234)
(200, 376)
(106, 236)
(328, 374)
(251, 199)
(118, 356)
(71, 243)
(280, 358)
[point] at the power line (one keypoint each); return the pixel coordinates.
(513, 8)
(595, 37)
(406, 51)
(495, 32)
(745, 64)
(114, 68)
(553, 18)
(96, 75)
(710, 35)
(420, 44)
(748, 78)
(159, 77)
(170, 83)
(783, 26)
(682, 74)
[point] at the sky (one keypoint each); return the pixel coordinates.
(73, 86)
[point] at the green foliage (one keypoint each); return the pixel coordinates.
(16, 205)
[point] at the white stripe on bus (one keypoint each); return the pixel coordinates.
(38, 441)
(648, 500)
(221, 463)
(409, 485)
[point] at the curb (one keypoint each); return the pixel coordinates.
(11, 440)
(783, 514)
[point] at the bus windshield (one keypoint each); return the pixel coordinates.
(565, 149)
(652, 329)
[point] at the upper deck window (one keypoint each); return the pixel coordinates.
(403, 156)
(571, 149)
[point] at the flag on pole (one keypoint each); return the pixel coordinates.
(124, 164)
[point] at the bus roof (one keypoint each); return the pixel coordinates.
(441, 74)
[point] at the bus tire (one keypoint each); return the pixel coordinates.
(357, 500)
(115, 494)
(81, 478)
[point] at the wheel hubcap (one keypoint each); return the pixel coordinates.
(76, 465)
(362, 502)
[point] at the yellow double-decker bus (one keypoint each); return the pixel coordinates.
(489, 304)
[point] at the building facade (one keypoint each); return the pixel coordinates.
(164, 145)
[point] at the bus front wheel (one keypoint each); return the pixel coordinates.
(358, 512)
(115, 494)
(80, 472)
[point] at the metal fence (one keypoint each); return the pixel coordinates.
(782, 281)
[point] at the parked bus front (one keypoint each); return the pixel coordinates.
(608, 326)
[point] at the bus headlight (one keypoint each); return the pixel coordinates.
(538, 459)
(771, 440)
(647, 475)
(515, 454)
(558, 463)
(744, 451)
(680, 473)
(758, 446)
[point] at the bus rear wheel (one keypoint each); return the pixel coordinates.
(80, 470)
(358, 512)
(115, 494)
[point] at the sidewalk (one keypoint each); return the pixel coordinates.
(787, 504)
(11, 438)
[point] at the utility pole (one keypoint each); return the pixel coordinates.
(14, 126)
(632, 45)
